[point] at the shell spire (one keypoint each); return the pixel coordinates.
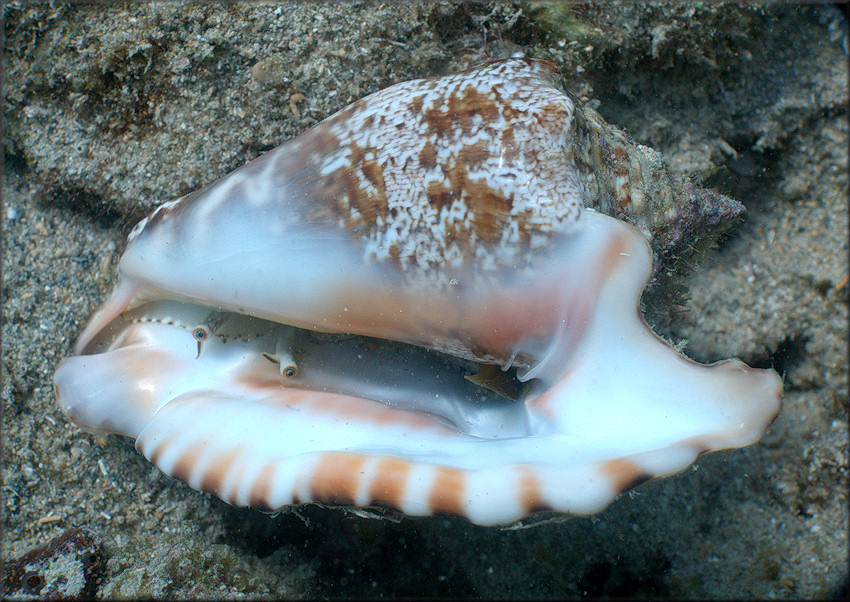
(632, 182)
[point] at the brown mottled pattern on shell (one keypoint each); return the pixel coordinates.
(472, 172)
(465, 170)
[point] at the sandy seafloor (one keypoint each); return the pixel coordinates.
(110, 111)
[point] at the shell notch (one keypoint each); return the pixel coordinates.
(414, 304)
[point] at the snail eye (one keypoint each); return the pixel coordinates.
(33, 582)
(200, 333)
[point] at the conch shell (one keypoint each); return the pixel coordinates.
(410, 305)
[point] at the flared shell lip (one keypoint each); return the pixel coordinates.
(96, 329)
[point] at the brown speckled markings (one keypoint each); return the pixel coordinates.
(467, 169)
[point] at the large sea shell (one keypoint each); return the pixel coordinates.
(411, 305)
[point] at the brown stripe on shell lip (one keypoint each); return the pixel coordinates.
(156, 453)
(216, 471)
(336, 478)
(388, 482)
(260, 496)
(624, 474)
(448, 492)
(530, 493)
(187, 461)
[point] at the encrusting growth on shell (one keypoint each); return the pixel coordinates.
(632, 182)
